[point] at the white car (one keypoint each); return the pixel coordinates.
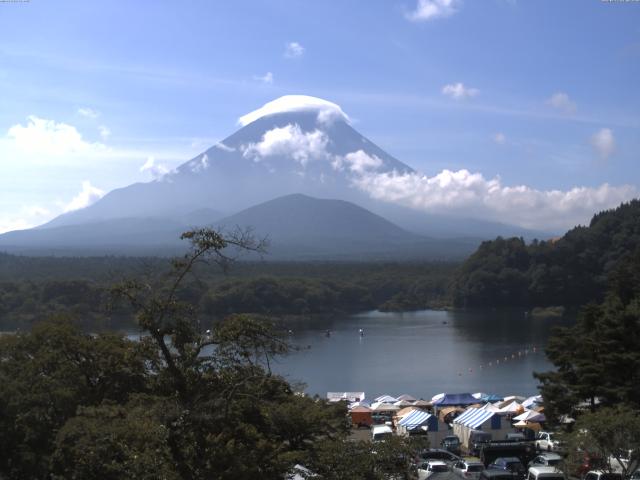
(468, 468)
(426, 469)
(600, 475)
(544, 473)
(546, 460)
(546, 441)
(380, 432)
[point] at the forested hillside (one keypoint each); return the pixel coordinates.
(569, 271)
(34, 288)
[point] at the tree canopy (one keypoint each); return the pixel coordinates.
(182, 403)
(570, 271)
(597, 360)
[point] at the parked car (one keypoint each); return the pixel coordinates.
(635, 475)
(438, 454)
(511, 464)
(547, 441)
(426, 469)
(497, 475)
(622, 462)
(545, 473)
(548, 459)
(380, 432)
(451, 443)
(601, 475)
(515, 437)
(469, 467)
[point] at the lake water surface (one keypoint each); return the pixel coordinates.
(421, 353)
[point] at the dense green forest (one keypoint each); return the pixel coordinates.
(178, 404)
(569, 271)
(34, 288)
(596, 379)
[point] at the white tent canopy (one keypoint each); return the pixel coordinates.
(490, 407)
(529, 402)
(348, 396)
(385, 399)
(384, 407)
(513, 407)
(407, 398)
(530, 416)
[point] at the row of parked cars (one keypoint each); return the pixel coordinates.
(541, 467)
(545, 465)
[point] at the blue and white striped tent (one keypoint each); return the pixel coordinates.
(480, 419)
(474, 417)
(416, 419)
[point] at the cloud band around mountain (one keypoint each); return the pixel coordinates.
(468, 194)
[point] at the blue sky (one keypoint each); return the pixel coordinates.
(538, 93)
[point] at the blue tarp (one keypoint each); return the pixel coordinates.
(490, 398)
(454, 399)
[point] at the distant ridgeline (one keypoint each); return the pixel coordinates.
(569, 271)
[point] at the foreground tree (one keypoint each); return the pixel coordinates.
(393, 458)
(181, 403)
(46, 375)
(597, 360)
(610, 434)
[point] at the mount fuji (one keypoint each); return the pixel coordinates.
(293, 145)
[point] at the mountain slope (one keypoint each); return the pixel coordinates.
(301, 227)
(261, 161)
(299, 216)
(292, 145)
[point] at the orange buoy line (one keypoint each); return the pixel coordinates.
(514, 356)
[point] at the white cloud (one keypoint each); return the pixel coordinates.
(293, 50)
(49, 137)
(458, 91)
(561, 101)
(603, 143)
(432, 9)
(156, 170)
(224, 147)
(88, 112)
(266, 78)
(360, 162)
(327, 111)
(291, 141)
(87, 196)
(105, 132)
(200, 164)
(500, 138)
(469, 194)
(27, 217)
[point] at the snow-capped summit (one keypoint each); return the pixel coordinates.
(325, 109)
(295, 144)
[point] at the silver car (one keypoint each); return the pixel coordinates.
(468, 468)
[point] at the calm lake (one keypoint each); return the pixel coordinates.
(421, 353)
